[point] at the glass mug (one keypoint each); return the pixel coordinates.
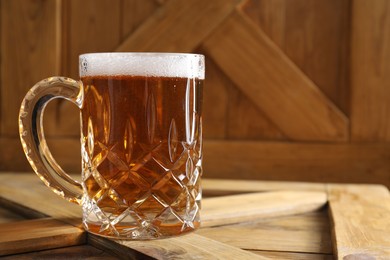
(141, 142)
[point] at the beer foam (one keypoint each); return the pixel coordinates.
(142, 64)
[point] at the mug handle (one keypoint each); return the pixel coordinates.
(33, 138)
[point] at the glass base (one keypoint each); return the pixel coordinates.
(145, 231)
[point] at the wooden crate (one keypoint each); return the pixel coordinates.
(302, 84)
(240, 220)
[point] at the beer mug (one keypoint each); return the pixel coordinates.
(141, 142)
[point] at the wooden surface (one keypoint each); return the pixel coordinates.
(346, 221)
(307, 77)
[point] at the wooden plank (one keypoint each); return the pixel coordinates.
(360, 217)
(370, 71)
(134, 13)
(215, 211)
(322, 34)
(314, 162)
(86, 25)
(73, 252)
(319, 162)
(302, 111)
(65, 150)
(89, 25)
(22, 65)
(215, 114)
(178, 28)
(293, 256)
(32, 193)
(190, 246)
(307, 233)
(246, 207)
(245, 121)
(220, 187)
(34, 235)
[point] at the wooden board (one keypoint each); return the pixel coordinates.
(35, 235)
(315, 162)
(370, 71)
(302, 112)
(360, 215)
(36, 59)
(278, 234)
(355, 232)
(318, 48)
(215, 211)
(178, 30)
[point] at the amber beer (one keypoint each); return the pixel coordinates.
(141, 133)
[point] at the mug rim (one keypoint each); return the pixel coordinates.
(148, 54)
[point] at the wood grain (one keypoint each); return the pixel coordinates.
(318, 48)
(32, 193)
(360, 215)
(7, 216)
(33, 23)
(294, 256)
(191, 246)
(248, 207)
(134, 13)
(246, 121)
(173, 29)
(220, 187)
(34, 235)
(215, 211)
(370, 71)
(74, 252)
(215, 114)
(309, 233)
(314, 162)
(319, 162)
(302, 112)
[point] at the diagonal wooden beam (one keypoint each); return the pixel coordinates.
(178, 26)
(273, 82)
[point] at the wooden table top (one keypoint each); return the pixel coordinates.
(240, 220)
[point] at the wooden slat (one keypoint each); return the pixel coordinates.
(370, 71)
(89, 26)
(34, 24)
(215, 113)
(92, 28)
(215, 211)
(293, 256)
(220, 187)
(246, 207)
(134, 13)
(318, 48)
(308, 233)
(361, 221)
(275, 84)
(32, 193)
(34, 235)
(245, 120)
(190, 246)
(178, 28)
(319, 162)
(74, 252)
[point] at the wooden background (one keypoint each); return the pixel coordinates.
(295, 89)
